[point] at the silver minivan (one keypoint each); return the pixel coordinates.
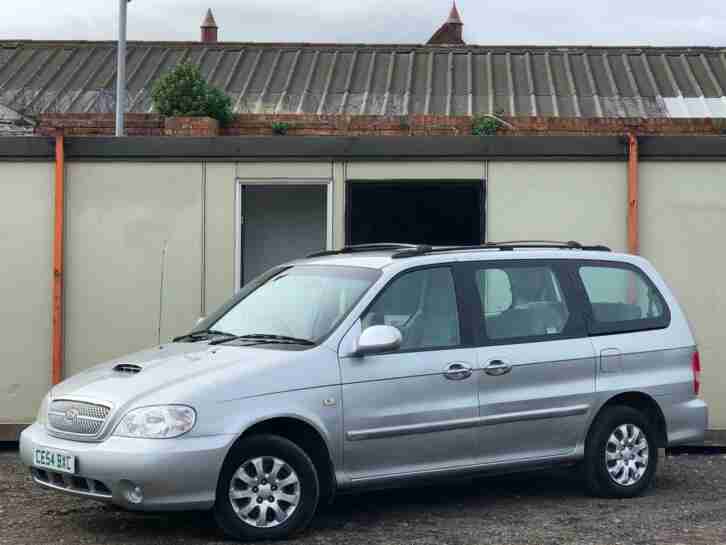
(377, 365)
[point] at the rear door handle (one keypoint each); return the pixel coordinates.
(497, 368)
(457, 371)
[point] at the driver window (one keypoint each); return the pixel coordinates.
(422, 305)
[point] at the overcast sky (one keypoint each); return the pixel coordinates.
(601, 22)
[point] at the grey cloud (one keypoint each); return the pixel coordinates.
(616, 22)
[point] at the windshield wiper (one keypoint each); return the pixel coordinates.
(195, 336)
(265, 338)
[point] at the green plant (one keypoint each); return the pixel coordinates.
(280, 127)
(485, 125)
(184, 92)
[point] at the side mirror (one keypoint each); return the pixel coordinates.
(200, 320)
(377, 339)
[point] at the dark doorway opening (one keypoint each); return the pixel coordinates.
(431, 212)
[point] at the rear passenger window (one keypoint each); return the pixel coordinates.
(521, 302)
(622, 299)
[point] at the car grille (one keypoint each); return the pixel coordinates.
(77, 417)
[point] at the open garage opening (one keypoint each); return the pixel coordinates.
(417, 212)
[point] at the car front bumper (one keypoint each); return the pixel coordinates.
(173, 474)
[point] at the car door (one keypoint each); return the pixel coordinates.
(622, 304)
(537, 379)
(413, 409)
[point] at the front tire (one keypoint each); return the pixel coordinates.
(621, 454)
(268, 489)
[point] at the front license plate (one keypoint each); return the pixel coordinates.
(55, 460)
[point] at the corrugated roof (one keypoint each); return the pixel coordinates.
(12, 124)
(378, 79)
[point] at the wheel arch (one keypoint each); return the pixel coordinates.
(305, 435)
(642, 402)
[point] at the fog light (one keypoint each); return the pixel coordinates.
(133, 493)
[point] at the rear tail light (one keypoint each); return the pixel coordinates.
(696, 368)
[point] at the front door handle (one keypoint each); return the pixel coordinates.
(497, 368)
(457, 371)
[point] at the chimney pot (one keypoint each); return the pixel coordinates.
(450, 33)
(209, 28)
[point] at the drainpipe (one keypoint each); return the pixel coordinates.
(57, 326)
(633, 243)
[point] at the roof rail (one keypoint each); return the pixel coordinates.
(505, 245)
(380, 246)
(570, 244)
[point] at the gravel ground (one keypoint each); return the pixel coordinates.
(687, 506)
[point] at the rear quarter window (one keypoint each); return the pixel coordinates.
(621, 298)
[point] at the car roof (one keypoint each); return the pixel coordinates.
(380, 259)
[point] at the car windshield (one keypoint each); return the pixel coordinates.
(302, 302)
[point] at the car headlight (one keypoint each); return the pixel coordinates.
(42, 417)
(157, 422)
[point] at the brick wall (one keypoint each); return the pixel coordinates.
(135, 124)
(615, 126)
(99, 124)
(350, 125)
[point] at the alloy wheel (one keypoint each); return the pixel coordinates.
(264, 491)
(626, 454)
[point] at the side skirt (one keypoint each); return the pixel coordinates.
(398, 480)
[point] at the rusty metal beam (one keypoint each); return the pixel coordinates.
(633, 240)
(57, 306)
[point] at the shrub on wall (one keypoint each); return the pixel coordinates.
(485, 125)
(184, 92)
(280, 127)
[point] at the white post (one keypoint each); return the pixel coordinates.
(121, 68)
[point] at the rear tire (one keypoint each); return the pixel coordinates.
(621, 454)
(268, 489)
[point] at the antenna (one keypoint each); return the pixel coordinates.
(161, 290)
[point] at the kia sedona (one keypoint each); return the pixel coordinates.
(378, 365)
